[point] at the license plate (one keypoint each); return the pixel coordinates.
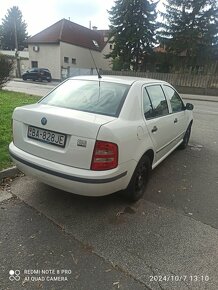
(47, 136)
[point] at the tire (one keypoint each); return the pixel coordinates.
(186, 138)
(24, 78)
(139, 180)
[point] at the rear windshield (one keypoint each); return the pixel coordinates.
(97, 97)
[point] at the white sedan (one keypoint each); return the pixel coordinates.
(95, 136)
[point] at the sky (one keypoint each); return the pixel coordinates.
(40, 14)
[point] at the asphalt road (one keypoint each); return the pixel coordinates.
(30, 87)
(168, 240)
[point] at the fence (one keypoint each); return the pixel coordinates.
(178, 80)
(81, 71)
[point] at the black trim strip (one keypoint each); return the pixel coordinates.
(66, 176)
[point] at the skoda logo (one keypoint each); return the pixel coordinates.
(43, 121)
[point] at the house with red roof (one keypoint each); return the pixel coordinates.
(65, 47)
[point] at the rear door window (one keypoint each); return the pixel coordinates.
(158, 101)
(33, 70)
(147, 106)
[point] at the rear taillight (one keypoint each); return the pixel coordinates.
(105, 156)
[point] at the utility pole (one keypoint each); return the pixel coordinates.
(16, 50)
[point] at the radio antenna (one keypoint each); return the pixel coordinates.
(99, 76)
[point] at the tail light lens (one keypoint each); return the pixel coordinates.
(105, 156)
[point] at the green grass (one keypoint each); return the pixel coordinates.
(8, 102)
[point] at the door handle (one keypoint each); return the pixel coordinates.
(176, 120)
(154, 129)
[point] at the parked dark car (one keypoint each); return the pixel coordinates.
(39, 74)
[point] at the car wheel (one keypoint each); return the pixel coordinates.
(139, 180)
(49, 80)
(186, 138)
(24, 78)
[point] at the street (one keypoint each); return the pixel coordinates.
(167, 240)
(30, 87)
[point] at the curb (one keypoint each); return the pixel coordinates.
(203, 100)
(52, 84)
(10, 172)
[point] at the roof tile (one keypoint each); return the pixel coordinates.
(70, 32)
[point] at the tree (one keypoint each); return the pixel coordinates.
(132, 31)
(191, 29)
(1, 32)
(13, 30)
(6, 67)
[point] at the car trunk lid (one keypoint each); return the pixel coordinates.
(79, 128)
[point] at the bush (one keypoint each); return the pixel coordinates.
(6, 67)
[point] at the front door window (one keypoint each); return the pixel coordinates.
(175, 100)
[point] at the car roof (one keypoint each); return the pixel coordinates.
(38, 68)
(129, 80)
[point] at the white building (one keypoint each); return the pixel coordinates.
(65, 47)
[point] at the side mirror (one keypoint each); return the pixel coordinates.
(189, 107)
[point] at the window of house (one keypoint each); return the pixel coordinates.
(175, 100)
(66, 59)
(95, 43)
(34, 63)
(158, 101)
(36, 48)
(73, 61)
(111, 46)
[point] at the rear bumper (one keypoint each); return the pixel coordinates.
(71, 179)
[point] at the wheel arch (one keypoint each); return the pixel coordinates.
(132, 192)
(150, 154)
